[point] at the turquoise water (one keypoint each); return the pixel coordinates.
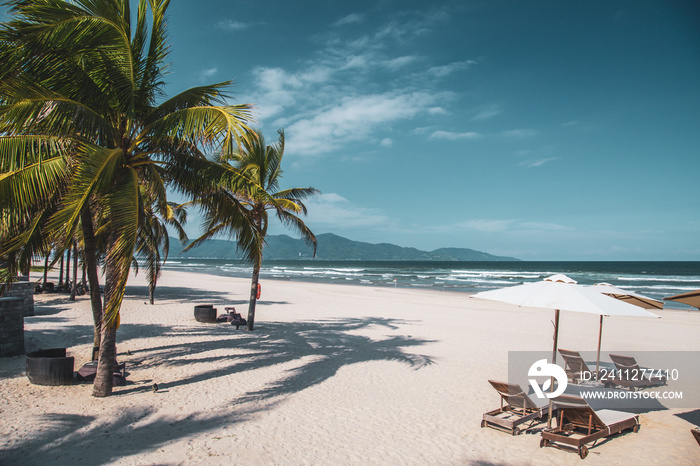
(654, 279)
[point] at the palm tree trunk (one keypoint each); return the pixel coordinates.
(250, 326)
(60, 273)
(104, 379)
(26, 267)
(151, 291)
(46, 271)
(75, 272)
(90, 251)
(67, 269)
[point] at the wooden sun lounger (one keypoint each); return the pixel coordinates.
(516, 408)
(696, 434)
(629, 375)
(575, 366)
(88, 371)
(578, 424)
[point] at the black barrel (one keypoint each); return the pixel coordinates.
(205, 313)
(50, 367)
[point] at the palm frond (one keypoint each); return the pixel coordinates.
(33, 186)
(97, 170)
(299, 226)
(94, 31)
(18, 151)
(193, 97)
(122, 205)
(53, 115)
(208, 125)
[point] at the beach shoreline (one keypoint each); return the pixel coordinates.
(653, 279)
(333, 374)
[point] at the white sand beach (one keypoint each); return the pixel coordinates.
(332, 375)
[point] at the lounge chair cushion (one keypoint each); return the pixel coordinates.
(540, 402)
(610, 416)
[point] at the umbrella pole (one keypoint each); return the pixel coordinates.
(556, 336)
(554, 361)
(600, 336)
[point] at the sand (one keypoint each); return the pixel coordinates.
(333, 374)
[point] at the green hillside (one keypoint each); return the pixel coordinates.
(332, 247)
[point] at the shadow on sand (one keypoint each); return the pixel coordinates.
(691, 416)
(192, 295)
(179, 294)
(327, 346)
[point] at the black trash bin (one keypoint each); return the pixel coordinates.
(50, 367)
(205, 313)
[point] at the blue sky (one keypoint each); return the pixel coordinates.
(543, 130)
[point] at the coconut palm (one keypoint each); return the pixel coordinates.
(261, 168)
(20, 228)
(79, 91)
(154, 241)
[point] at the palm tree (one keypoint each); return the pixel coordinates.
(261, 168)
(81, 82)
(153, 239)
(20, 237)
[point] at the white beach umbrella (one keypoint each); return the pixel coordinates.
(561, 293)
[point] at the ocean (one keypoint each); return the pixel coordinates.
(654, 279)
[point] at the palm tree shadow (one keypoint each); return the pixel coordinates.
(76, 439)
(193, 296)
(332, 348)
(691, 416)
(328, 345)
(180, 294)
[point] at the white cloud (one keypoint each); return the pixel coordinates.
(419, 25)
(485, 225)
(537, 163)
(275, 79)
(487, 113)
(518, 133)
(231, 25)
(542, 226)
(208, 73)
(357, 62)
(315, 75)
(437, 111)
(345, 92)
(353, 119)
(386, 142)
(400, 62)
(422, 130)
(352, 18)
(452, 136)
(334, 211)
(278, 90)
(510, 225)
(446, 70)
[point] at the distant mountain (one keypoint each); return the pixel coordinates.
(332, 247)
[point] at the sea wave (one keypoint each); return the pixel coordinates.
(654, 279)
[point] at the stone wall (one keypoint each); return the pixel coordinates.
(11, 326)
(23, 290)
